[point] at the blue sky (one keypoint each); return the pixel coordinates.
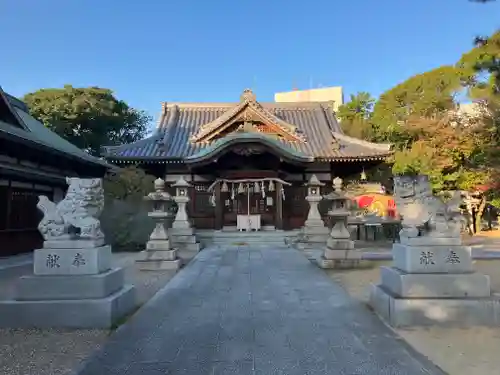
(164, 50)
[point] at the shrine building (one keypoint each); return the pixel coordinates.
(249, 158)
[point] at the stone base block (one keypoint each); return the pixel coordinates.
(342, 254)
(183, 239)
(430, 241)
(158, 245)
(35, 288)
(339, 244)
(432, 259)
(89, 261)
(310, 245)
(400, 312)
(159, 265)
(174, 231)
(338, 263)
(181, 224)
(148, 255)
(78, 313)
(406, 285)
(322, 237)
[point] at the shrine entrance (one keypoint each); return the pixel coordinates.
(249, 185)
(251, 203)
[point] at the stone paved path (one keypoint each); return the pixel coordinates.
(263, 311)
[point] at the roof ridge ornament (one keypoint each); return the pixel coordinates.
(248, 96)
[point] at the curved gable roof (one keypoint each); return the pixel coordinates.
(178, 122)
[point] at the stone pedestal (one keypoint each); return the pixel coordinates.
(434, 285)
(432, 280)
(73, 285)
(70, 288)
(72, 261)
(158, 256)
(184, 239)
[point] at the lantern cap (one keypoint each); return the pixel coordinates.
(313, 181)
(181, 182)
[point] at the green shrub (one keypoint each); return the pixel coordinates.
(125, 220)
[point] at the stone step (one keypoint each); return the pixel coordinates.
(247, 236)
(262, 243)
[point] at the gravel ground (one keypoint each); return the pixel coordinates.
(457, 351)
(57, 351)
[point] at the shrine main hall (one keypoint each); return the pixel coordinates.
(249, 160)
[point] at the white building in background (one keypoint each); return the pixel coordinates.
(468, 113)
(324, 94)
(469, 109)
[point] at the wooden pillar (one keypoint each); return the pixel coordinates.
(219, 207)
(279, 206)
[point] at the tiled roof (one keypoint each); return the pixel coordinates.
(178, 122)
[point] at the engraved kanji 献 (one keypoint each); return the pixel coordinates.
(452, 257)
(427, 257)
(52, 261)
(79, 260)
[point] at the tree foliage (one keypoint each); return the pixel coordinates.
(130, 183)
(424, 95)
(421, 118)
(481, 67)
(124, 219)
(355, 115)
(87, 117)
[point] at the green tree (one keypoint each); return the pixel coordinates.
(424, 95)
(481, 67)
(87, 117)
(355, 114)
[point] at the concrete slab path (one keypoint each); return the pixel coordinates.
(263, 311)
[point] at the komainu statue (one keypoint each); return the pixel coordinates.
(76, 216)
(422, 212)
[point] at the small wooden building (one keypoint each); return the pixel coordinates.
(249, 158)
(33, 161)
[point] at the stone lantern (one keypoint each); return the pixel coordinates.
(181, 198)
(158, 254)
(314, 232)
(314, 197)
(182, 234)
(339, 251)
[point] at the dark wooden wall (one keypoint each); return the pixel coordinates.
(19, 218)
